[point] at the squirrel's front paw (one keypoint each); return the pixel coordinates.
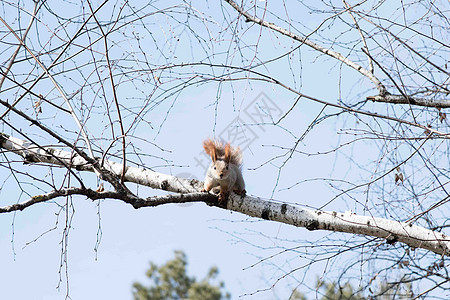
(240, 193)
(223, 197)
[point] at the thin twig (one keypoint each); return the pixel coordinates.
(381, 88)
(54, 63)
(13, 57)
(113, 87)
(72, 111)
(349, 8)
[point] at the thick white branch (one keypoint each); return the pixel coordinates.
(35, 154)
(399, 99)
(392, 231)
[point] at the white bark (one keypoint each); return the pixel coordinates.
(188, 191)
(392, 231)
(35, 154)
(399, 99)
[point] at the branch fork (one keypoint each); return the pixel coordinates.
(186, 191)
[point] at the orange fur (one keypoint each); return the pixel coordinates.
(225, 171)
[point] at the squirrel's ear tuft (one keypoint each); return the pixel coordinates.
(227, 153)
(210, 149)
(214, 154)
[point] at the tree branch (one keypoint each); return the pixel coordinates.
(383, 95)
(113, 87)
(63, 193)
(400, 99)
(55, 83)
(37, 154)
(249, 18)
(189, 191)
(393, 231)
(37, 5)
(363, 39)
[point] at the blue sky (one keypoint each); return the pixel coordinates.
(210, 236)
(131, 238)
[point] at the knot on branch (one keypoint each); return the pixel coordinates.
(164, 185)
(265, 214)
(312, 225)
(391, 239)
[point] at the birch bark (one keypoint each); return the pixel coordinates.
(189, 191)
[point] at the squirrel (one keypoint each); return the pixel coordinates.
(225, 170)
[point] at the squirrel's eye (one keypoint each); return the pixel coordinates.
(214, 167)
(227, 167)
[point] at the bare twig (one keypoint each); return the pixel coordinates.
(349, 8)
(113, 87)
(55, 61)
(72, 111)
(381, 88)
(13, 57)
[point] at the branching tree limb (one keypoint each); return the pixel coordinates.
(125, 78)
(400, 99)
(189, 191)
(249, 18)
(57, 86)
(383, 94)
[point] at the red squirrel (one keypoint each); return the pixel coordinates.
(225, 170)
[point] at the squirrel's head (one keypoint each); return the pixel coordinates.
(221, 165)
(221, 168)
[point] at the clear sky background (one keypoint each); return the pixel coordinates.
(131, 238)
(30, 249)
